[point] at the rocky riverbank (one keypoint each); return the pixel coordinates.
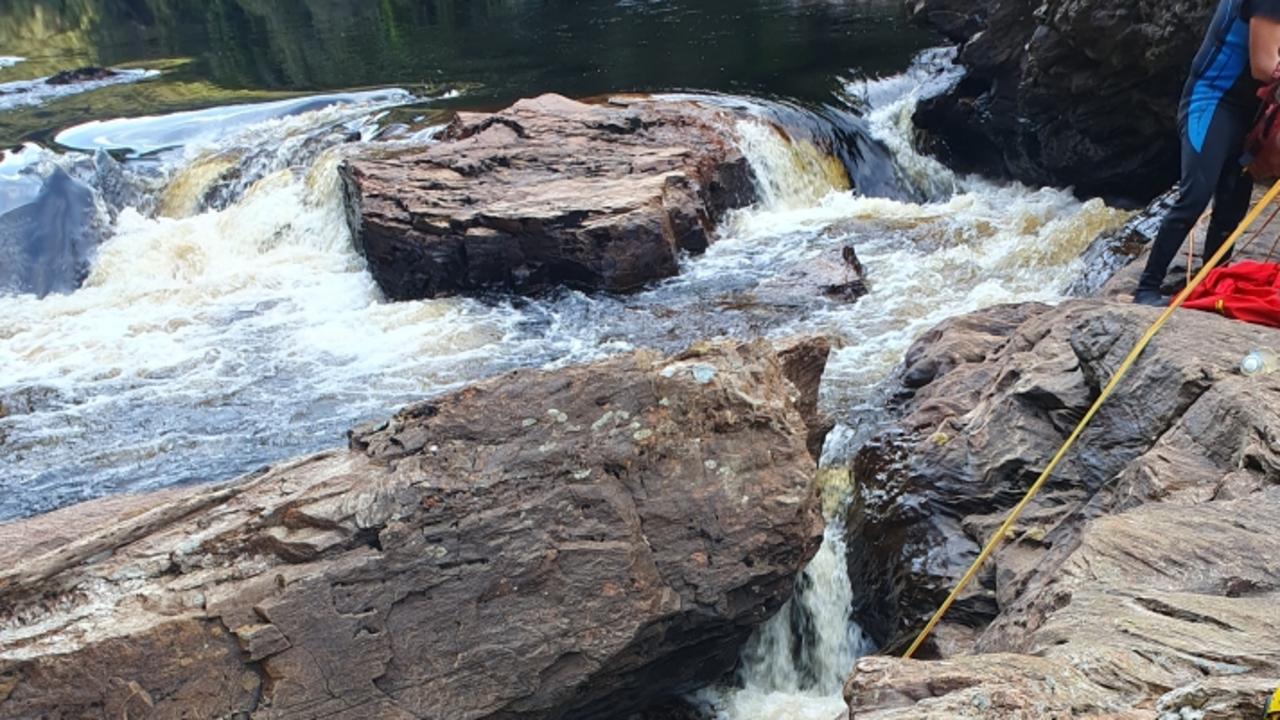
(575, 543)
(1079, 93)
(1143, 580)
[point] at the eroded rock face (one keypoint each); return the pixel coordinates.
(1144, 578)
(547, 192)
(571, 544)
(1079, 93)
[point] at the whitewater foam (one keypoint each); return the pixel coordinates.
(28, 93)
(149, 134)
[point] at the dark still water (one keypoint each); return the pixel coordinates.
(493, 51)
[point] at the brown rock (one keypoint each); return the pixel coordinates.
(804, 360)
(1165, 596)
(548, 192)
(1009, 687)
(1142, 579)
(580, 543)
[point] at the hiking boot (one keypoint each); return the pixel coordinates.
(1152, 298)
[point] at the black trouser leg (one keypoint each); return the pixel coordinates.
(1212, 169)
(1230, 205)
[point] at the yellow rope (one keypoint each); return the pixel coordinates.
(1124, 368)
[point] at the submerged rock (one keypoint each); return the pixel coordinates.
(1145, 572)
(1079, 93)
(547, 192)
(47, 245)
(80, 75)
(580, 543)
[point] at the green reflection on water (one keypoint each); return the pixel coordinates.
(242, 49)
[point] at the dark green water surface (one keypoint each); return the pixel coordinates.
(493, 51)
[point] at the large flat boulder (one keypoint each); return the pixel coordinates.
(1142, 580)
(547, 192)
(578, 543)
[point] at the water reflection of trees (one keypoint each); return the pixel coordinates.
(572, 45)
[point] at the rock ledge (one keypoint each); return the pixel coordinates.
(547, 192)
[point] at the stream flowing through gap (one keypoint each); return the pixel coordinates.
(226, 321)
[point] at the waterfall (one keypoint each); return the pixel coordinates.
(795, 665)
(944, 245)
(789, 172)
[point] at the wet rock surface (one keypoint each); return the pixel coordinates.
(1142, 581)
(1079, 93)
(79, 75)
(548, 192)
(579, 543)
(1115, 260)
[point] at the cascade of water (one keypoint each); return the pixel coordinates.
(789, 172)
(794, 666)
(892, 102)
(983, 243)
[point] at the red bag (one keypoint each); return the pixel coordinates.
(1262, 144)
(1247, 290)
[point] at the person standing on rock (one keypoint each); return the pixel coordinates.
(1219, 103)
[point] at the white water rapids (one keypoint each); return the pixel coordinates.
(978, 245)
(227, 321)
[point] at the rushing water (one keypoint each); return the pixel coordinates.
(227, 322)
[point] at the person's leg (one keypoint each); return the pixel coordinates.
(1230, 205)
(1202, 168)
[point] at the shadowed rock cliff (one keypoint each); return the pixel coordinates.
(1066, 92)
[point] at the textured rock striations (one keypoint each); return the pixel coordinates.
(570, 544)
(547, 192)
(1142, 582)
(1066, 92)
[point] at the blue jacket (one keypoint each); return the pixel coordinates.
(1221, 72)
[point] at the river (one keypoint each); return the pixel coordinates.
(226, 321)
